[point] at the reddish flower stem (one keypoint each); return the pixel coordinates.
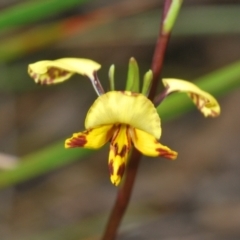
(125, 190)
(159, 52)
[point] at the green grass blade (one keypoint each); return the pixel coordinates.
(31, 11)
(41, 162)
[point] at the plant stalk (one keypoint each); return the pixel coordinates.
(125, 190)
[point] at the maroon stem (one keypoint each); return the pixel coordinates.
(125, 190)
(157, 64)
(159, 52)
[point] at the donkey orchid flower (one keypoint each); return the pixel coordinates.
(204, 101)
(125, 119)
(56, 71)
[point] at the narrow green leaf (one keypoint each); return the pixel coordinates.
(31, 11)
(41, 162)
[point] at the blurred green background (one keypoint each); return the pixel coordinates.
(48, 192)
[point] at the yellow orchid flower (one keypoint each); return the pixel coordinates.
(125, 119)
(204, 101)
(56, 71)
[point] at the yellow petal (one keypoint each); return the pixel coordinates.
(119, 151)
(92, 138)
(204, 101)
(149, 146)
(126, 108)
(50, 72)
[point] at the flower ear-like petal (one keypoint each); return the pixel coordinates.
(204, 101)
(149, 146)
(51, 72)
(92, 138)
(125, 108)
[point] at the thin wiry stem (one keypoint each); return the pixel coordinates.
(160, 97)
(97, 84)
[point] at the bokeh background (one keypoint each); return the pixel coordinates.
(194, 198)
